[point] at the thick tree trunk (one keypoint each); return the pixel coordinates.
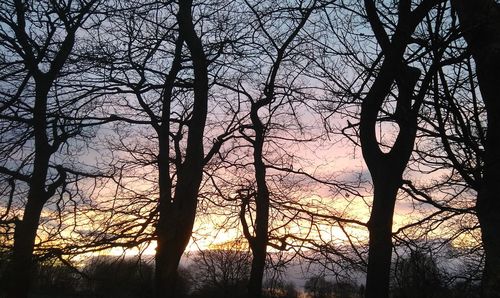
(172, 240)
(488, 210)
(480, 24)
(166, 269)
(380, 245)
(488, 199)
(257, 271)
(18, 276)
(387, 168)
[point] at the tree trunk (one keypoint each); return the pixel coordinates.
(257, 271)
(19, 273)
(480, 24)
(380, 245)
(488, 210)
(258, 243)
(171, 243)
(488, 200)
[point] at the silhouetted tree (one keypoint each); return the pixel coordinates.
(319, 287)
(177, 212)
(221, 273)
(119, 277)
(386, 168)
(37, 41)
(282, 49)
(480, 25)
(280, 289)
(160, 62)
(418, 275)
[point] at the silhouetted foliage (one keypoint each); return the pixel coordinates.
(319, 287)
(53, 279)
(465, 289)
(118, 277)
(418, 275)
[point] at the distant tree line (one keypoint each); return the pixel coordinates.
(225, 273)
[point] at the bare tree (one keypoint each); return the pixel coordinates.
(386, 168)
(480, 24)
(259, 240)
(221, 272)
(177, 213)
(160, 64)
(418, 275)
(37, 40)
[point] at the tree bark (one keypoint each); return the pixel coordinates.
(480, 25)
